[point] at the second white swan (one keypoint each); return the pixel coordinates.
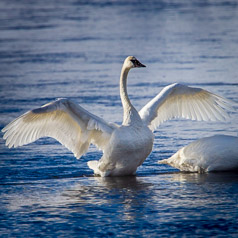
(124, 147)
(209, 154)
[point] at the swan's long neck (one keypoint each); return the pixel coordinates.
(130, 114)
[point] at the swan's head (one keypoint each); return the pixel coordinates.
(131, 62)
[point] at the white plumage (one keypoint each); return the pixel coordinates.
(63, 120)
(215, 153)
(124, 147)
(180, 101)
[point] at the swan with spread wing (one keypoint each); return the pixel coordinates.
(124, 147)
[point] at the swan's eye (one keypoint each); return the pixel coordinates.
(134, 61)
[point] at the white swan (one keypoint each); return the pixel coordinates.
(124, 147)
(215, 153)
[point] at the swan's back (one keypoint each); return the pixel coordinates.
(216, 153)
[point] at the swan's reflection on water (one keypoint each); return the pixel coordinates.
(198, 194)
(130, 183)
(216, 177)
(165, 202)
(128, 195)
(131, 192)
(97, 196)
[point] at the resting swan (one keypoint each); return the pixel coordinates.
(215, 153)
(124, 147)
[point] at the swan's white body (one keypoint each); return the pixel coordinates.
(215, 153)
(124, 147)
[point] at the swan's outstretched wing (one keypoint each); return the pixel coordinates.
(64, 120)
(180, 101)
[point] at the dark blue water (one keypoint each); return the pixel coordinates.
(75, 49)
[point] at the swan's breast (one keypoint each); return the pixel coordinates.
(131, 144)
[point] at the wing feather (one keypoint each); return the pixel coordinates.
(180, 101)
(63, 120)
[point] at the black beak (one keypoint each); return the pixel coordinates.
(138, 64)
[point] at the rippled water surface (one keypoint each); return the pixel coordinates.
(75, 49)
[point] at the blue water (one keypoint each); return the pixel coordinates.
(75, 49)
